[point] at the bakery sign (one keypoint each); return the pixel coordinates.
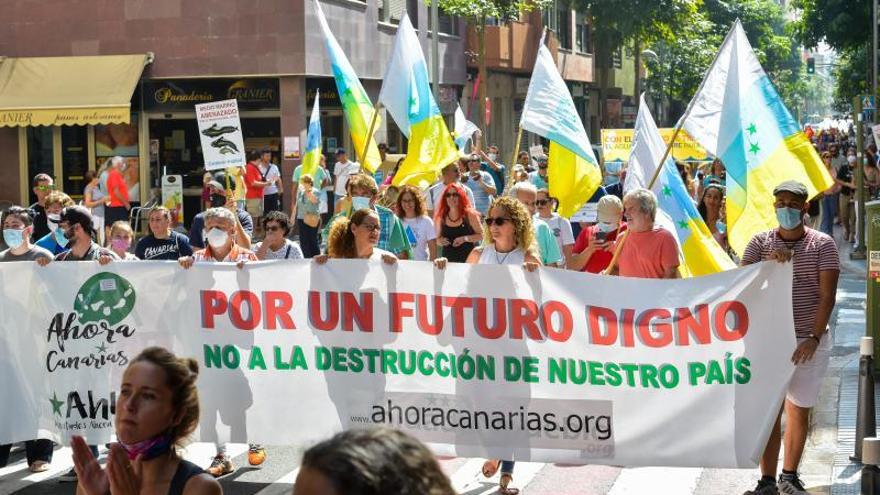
(169, 95)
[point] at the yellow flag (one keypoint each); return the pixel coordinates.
(572, 179)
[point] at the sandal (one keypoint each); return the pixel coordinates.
(504, 482)
(490, 467)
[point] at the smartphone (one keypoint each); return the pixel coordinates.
(601, 236)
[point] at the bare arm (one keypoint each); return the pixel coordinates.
(474, 220)
(827, 295)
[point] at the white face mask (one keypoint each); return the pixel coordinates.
(360, 203)
(606, 226)
(217, 238)
(54, 220)
(851, 159)
(493, 156)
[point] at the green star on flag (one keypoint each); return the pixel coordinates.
(754, 148)
(666, 190)
(683, 224)
(56, 404)
(101, 348)
(752, 129)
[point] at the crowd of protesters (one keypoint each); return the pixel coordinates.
(480, 211)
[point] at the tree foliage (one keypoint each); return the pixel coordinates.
(684, 59)
(851, 77)
(477, 11)
(842, 24)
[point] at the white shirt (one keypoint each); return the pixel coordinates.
(561, 229)
(342, 171)
(489, 256)
(288, 251)
(271, 174)
(422, 229)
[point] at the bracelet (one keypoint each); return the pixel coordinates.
(817, 339)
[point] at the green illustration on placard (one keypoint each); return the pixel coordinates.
(104, 297)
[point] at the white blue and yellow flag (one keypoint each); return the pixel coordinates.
(676, 212)
(550, 112)
(312, 158)
(464, 129)
(406, 94)
(738, 116)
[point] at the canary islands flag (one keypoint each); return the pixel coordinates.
(355, 102)
(312, 158)
(549, 111)
(699, 252)
(406, 94)
(738, 116)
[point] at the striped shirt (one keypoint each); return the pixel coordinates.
(812, 253)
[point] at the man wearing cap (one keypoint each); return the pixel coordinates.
(816, 267)
(539, 177)
(342, 169)
(480, 183)
(593, 250)
(244, 226)
(76, 223)
(434, 194)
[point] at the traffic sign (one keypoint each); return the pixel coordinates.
(867, 102)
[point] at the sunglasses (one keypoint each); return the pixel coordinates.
(450, 195)
(371, 228)
(542, 167)
(46, 188)
(498, 221)
(542, 202)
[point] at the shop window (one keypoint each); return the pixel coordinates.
(118, 140)
(74, 159)
(39, 154)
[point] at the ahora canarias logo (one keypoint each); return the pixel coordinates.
(83, 411)
(98, 316)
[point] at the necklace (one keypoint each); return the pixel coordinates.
(501, 260)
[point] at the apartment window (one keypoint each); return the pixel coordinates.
(447, 24)
(549, 20)
(582, 35)
(563, 26)
(392, 11)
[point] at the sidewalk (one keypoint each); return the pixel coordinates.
(826, 464)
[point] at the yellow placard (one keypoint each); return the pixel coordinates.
(617, 143)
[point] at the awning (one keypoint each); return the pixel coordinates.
(68, 90)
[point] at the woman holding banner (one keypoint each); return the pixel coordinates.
(356, 238)
(508, 240)
(156, 411)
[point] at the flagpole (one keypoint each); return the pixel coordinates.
(513, 159)
(678, 126)
(369, 137)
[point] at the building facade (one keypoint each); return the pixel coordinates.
(268, 54)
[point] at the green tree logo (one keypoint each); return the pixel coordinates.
(104, 297)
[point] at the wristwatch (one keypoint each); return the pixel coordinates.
(814, 336)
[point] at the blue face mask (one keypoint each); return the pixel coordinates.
(789, 218)
(59, 237)
(13, 237)
(360, 203)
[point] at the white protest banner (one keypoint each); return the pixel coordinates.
(220, 133)
(475, 360)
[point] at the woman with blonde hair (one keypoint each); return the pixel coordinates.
(419, 226)
(157, 409)
(507, 240)
(121, 237)
(356, 237)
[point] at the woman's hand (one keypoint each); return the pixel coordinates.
(92, 479)
(186, 262)
(43, 261)
(241, 264)
(442, 241)
(440, 263)
(459, 241)
(104, 260)
(320, 259)
(124, 476)
(531, 266)
(389, 259)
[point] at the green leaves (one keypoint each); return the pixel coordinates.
(477, 11)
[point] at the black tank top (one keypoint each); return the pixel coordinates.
(185, 471)
(457, 254)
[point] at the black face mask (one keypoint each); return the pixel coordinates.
(218, 200)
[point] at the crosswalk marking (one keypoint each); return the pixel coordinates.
(656, 481)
